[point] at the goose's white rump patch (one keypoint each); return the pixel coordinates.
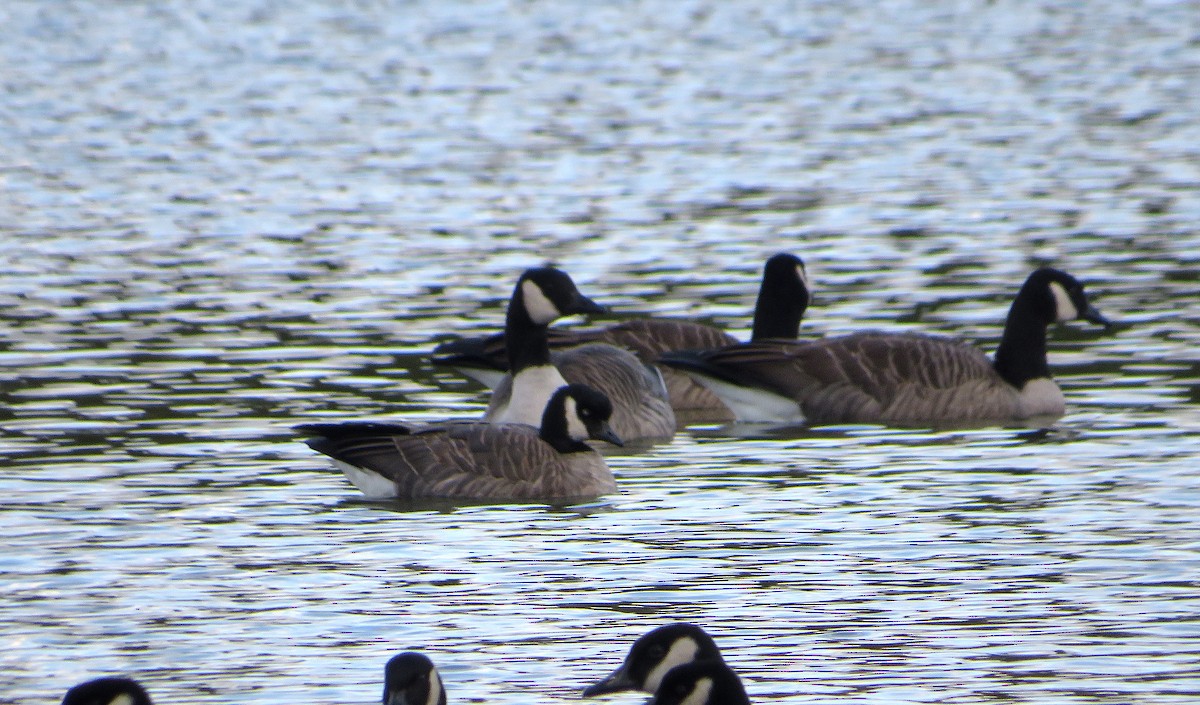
(371, 484)
(750, 404)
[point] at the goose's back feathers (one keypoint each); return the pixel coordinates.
(650, 337)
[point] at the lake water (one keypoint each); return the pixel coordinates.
(223, 219)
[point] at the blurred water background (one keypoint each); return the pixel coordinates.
(221, 219)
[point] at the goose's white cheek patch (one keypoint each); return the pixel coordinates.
(541, 310)
(802, 275)
(682, 651)
(1064, 308)
(435, 688)
(576, 429)
(700, 693)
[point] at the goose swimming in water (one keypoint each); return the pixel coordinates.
(782, 299)
(902, 378)
(475, 459)
(653, 654)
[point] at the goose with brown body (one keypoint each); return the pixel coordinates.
(901, 379)
(478, 460)
(782, 299)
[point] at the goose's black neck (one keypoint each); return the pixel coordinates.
(525, 340)
(777, 315)
(782, 300)
(1021, 355)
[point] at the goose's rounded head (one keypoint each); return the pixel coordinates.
(585, 412)
(789, 271)
(412, 679)
(107, 691)
(700, 683)
(1060, 297)
(548, 294)
(654, 654)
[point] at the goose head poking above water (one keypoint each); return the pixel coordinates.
(411, 678)
(107, 691)
(653, 655)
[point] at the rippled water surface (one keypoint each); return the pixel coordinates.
(223, 219)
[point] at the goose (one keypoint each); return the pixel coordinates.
(475, 459)
(700, 683)
(541, 296)
(641, 408)
(642, 412)
(900, 378)
(655, 653)
(782, 299)
(107, 691)
(411, 678)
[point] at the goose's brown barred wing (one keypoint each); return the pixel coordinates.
(641, 403)
(649, 338)
(871, 377)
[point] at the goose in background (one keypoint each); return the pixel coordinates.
(653, 655)
(700, 683)
(411, 678)
(476, 459)
(641, 408)
(900, 378)
(782, 299)
(541, 296)
(107, 691)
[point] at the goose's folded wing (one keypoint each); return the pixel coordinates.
(874, 362)
(648, 338)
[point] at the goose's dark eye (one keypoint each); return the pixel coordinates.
(584, 413)
(657, 651)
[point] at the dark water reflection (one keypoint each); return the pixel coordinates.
(221, 220)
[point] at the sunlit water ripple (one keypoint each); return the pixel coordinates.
(272, 217)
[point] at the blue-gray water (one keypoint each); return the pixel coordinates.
(222, 219)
